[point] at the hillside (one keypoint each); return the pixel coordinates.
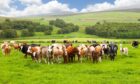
(84, 19)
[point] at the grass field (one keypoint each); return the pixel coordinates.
(87, 19)
(15, 69)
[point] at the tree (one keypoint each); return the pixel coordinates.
(25, 33)
(9, 33)
(47, 32)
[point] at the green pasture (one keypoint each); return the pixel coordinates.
(86, 19)
(15, 69)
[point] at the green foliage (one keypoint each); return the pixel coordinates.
(26, 33)
(47, 32)
(8, 33)
(28, 27)
(65, 28)
(118, 30)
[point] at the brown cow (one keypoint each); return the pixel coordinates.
(71, 51)
(35, 52)
(82, 52)
(56, 51)
(96, 55)
(6, 49)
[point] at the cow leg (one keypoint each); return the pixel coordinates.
(25, 56)
(100, 59)
(69, 58)
(74, 57)
(65, 58)
(81, 59)
(78, 57)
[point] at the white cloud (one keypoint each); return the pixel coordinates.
(5, 6)
(31, 2)
(118, 4)
(52, 7)
(37, 7)
(97, 7)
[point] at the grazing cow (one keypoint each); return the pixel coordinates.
(65, 41)
(16, 46)
(82, 52)
(53, 41)
(6, 49)
(88, 41)
(24, 48)
(105, 49)
(135, 44)
(123, 50)
(71, 51)
(97, 53)
(113, 51)
(91, 49)
(45, 55)
(35, 51)
(56, 51)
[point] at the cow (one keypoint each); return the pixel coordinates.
(71, 51)
(35, 51)
(135, 44)
(82, 52)
(97, 54)
(113, 51)
(57, 51)
(16, 46)
(24, 48)
(105, 49)
(123, 50)
(45, 55)
(53, 41)
(6, 49)
(91, 48)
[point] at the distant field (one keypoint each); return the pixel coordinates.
(91, 18)
(124, 70)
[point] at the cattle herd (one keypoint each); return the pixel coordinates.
(54, 53)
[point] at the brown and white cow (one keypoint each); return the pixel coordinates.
(45, 55)
(71, 51)
(97, 53)
(90, 50)
(35, 51)
(6, 49)
(57, 51)
(82, 52)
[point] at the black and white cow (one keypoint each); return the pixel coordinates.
(113, 51)
(135, 44)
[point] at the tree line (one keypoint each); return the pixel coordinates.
(8, 28)
(65, 28)
(113, 29)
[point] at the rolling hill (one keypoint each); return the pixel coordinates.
(83, 20)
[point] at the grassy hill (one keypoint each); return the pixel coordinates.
(83, 20)
(86, 19)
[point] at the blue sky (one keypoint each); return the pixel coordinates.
(16, 8)
(80, 4)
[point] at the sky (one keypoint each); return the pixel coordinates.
(17, 8)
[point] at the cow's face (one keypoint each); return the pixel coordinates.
(21, 47)
(50, 49)
(29, 49)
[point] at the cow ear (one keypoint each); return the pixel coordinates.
(52, 47)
